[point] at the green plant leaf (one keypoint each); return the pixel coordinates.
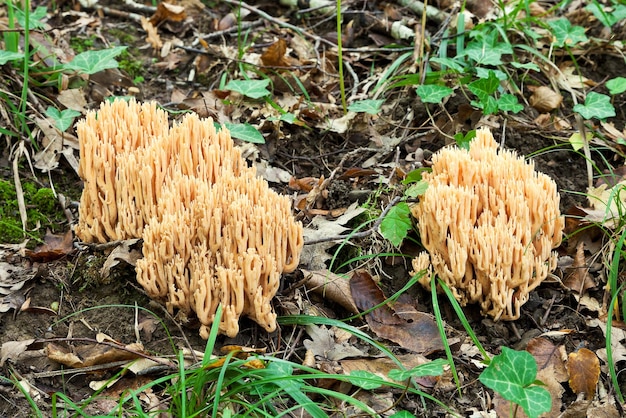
(616, 85)
(432, 93)
(607, 18)
(432, 368)
(509, 103)
(485, 54)
(526, 66)
(363, 379)
(566, 34)
(457, 64)
(484, 87)
(368, 106)
(91, 62)
(417, 189)
(463, 141)
(511, 374)
(396, 224)
(245, 132)
(415, 175)
(255, 89)
(34, 20)
(6, 56)
(288, 117)
(402, 414)
(62, 119)
(597, 106)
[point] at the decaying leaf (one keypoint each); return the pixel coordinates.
(402, 324)
(323, 344)
(92, 354)
(577, 277)
(549, 355)
(11, 350)
(274, 55)
(545, 100)
(127, 251)
(584, 372)
(331, 287)
(55, 246)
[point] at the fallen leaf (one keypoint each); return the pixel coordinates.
(55, 246)
(584, 372)
(323, 344)
(331, 287)
(274, 55)
(126, 251)
(549, 355)
(545, 100)
(415, 331)
(11, 350)
(577, 276)
(92, 354)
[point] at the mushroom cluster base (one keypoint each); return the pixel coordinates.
(489, 222)
(213, 232)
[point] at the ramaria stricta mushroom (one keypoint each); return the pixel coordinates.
(213, 232)
(489, 222)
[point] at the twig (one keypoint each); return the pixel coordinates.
(362, 234)
(237, 3)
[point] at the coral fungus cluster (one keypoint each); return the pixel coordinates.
(213, 232)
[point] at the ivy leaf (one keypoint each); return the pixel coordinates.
(34, 19)
(62, 119)
(607, 18)
(484, 87)
(432, 368)
(511, 374)
(484, 53)
(255, 89)
(367, 106)
(526, 66)
(91, 62)
(509, 103)
(396, 224)
(463, 141)
(6, 56)
(616, 85)
(363, 379)
(597, 106)
(417, 189)
(566, 34)
(432, 93)
(245, 132)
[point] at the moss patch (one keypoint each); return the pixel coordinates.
(42, 210)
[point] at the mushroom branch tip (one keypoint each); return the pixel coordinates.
(489, 223)
(214, 233)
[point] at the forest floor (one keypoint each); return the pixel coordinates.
(332, 162)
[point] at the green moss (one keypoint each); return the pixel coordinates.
(83, 44)
(42, 212)
(45, 201)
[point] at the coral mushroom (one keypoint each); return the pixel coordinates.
(489, 222)
(213, 232)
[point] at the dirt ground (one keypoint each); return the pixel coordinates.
(71, 303)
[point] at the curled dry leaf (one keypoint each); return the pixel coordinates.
(545, 100)
(549, 355)
(415, 331)
(584, 371)
(332, 287)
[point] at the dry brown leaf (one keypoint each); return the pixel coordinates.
(332, 287)
(127, 251)
(274, 55)
(152, 37)
(11, 350)
(324, 344)
(415, 331)
(577, 277)
(92, 354)
(549, 355)
(55, 246)
(167, 11)
(545, 100)
(381, 366)
(584, 372)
